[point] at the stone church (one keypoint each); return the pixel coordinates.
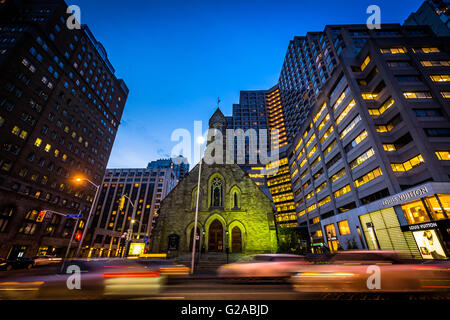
(234, 213)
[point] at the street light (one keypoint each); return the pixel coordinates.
(200, 141)
(97, 187)
(130, 229)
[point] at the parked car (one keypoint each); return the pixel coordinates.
(370, 271)
(18, 263)
(263, 266)
(46, 260)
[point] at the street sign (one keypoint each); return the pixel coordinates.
(74, 216)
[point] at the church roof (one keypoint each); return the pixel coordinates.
(217, 117)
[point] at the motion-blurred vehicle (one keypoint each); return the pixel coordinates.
(87, 279)
(18, 263)
(164, 267)
(46, 260)
(263, 266)
(358, 271)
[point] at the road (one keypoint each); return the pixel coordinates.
(208, 288)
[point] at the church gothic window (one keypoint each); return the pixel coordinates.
(216, 192)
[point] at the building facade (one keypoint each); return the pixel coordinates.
(380, 126)
(434, 13)
(179, 165)
(144, 190)
(60, 108)
(234, 214)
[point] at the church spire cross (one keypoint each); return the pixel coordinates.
(218, 102)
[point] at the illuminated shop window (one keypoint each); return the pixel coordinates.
(415, 212)
(344, 229)
(435, 208)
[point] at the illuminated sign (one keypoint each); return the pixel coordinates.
(136, 248)
(429, 245)
(403, 197)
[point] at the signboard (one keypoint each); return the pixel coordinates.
(405, 196)
(136, 248)
(426, 225)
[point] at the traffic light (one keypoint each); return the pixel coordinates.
(41, 216)
(122, 203)
(78, 236)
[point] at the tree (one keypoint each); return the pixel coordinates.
(288, 241)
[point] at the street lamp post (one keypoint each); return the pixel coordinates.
(200, 141)
(97, 187)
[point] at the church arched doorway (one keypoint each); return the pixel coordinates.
(236, 240)
(215, 237)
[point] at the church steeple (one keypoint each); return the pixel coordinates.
(218, 121)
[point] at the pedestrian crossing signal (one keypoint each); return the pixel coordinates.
(41, 216)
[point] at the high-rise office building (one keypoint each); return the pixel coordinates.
(60, 108)
(144, 190)
(180, 166)
(434, 13)
(370, 163)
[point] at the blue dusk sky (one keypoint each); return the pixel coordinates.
(177, 57)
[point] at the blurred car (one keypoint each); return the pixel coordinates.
(356, 271)
(165, 267)
(97, 279)
(18, 263)
(46, 260)
(263, 266)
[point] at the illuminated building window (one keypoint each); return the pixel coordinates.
(315, 162)
(311, 208)
(344, 229)
(309, 195)
(417, 95)
(361, 137)
(326, 134)
(365, 63)
(435, 208)
(435, 63)
(319, 113)
(393, 50)
(310, 140)
(324, 201)
(48, 147)
(313, 150)
(15, 130)
(385, 106)
(362, 158)
(345, 112)
(443, 155)
(426, 50)
(38, 142)
(323, 122)
(389, 147)
(368, 177)
(440, 78)
(330, 147)
(341, 98)
(369, 96)
(445, 94)
(303, 163)
(316, 220)
(342, 191)
(407, 165)
(338, 175)
(321, 187)
(301, 213)
(350, 126)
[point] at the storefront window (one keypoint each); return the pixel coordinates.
(435, 208)
(415, 212)
(445, 201)
(343, 227)
(333, 243)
